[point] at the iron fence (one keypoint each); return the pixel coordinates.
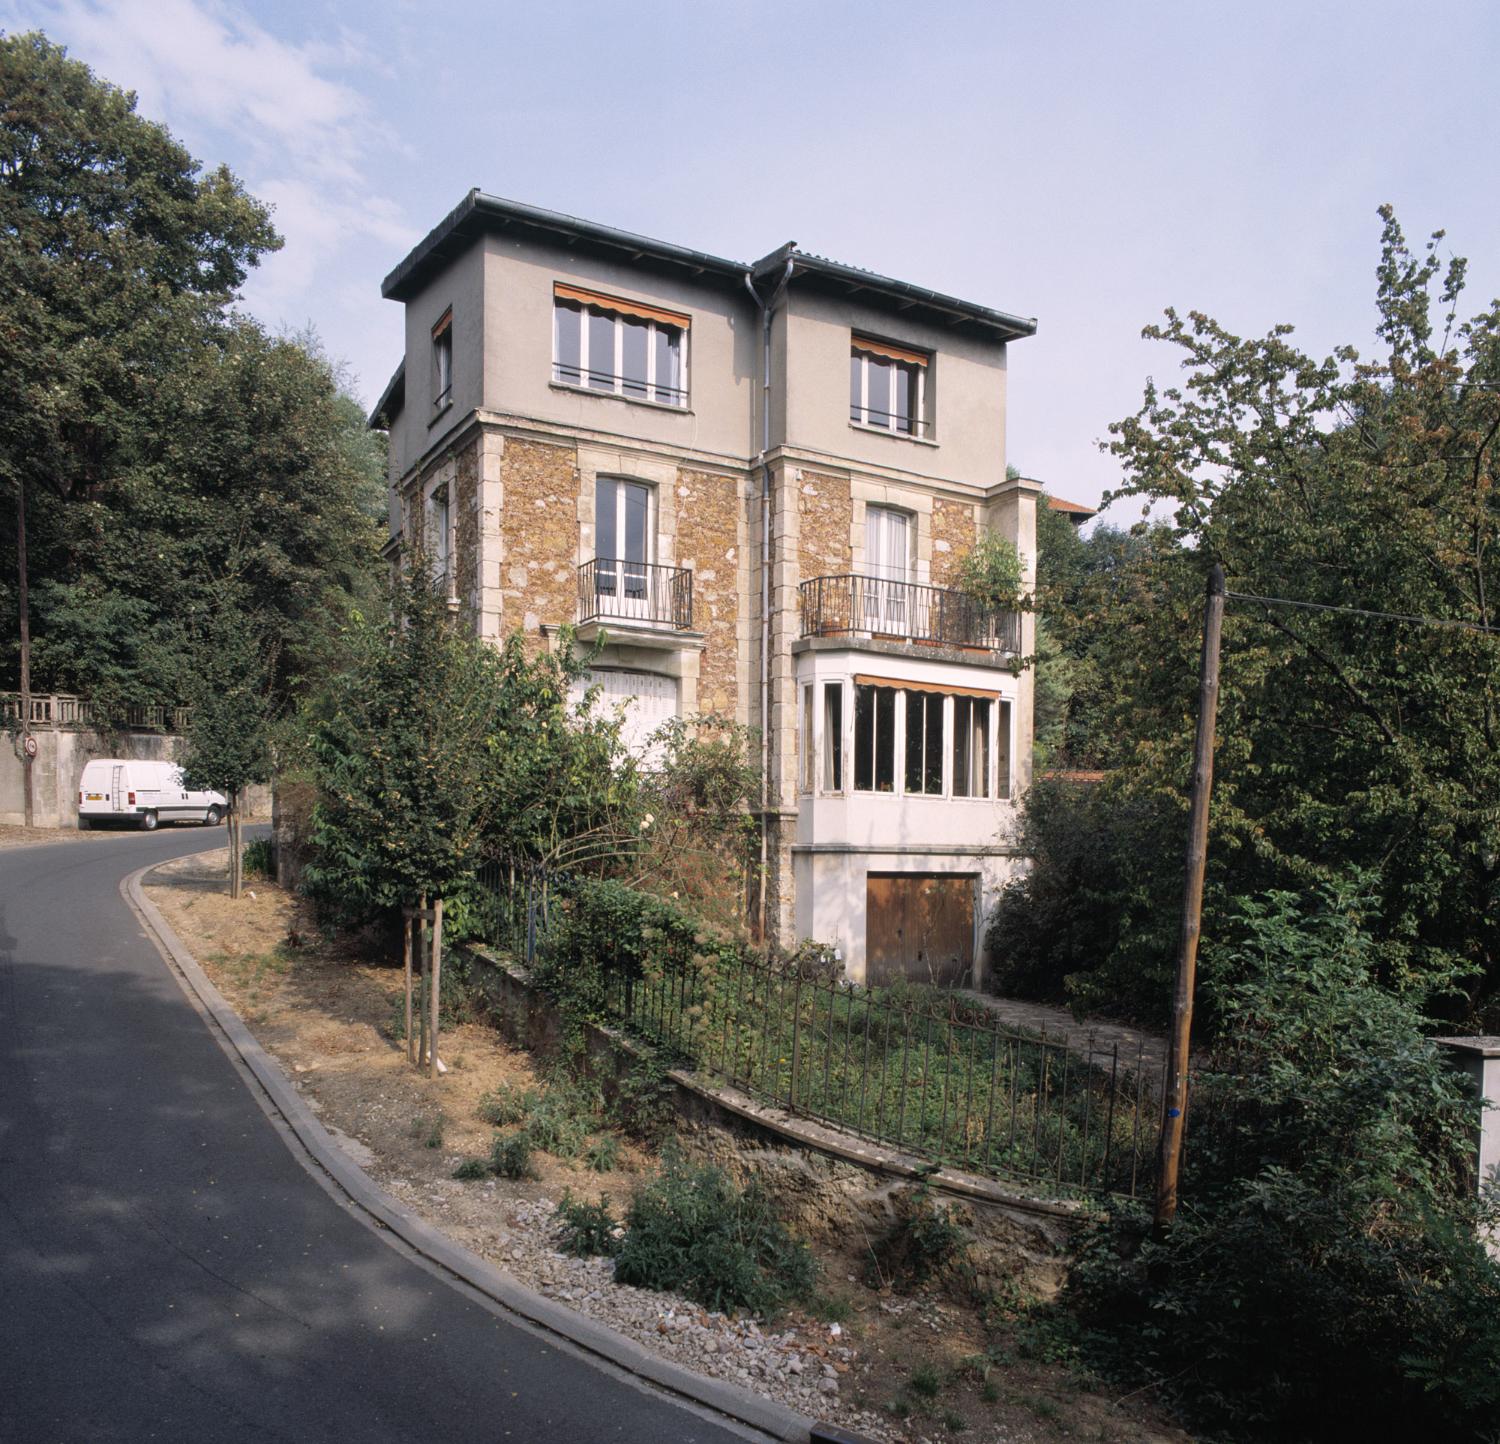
(906, 611)
(926, 1071)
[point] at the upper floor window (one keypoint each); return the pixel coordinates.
(442, 361)
(888, 387)
(621, 347)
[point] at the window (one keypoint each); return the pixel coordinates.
(620, 347)
(623, 545)
(888, 387)
(809, 756)
(971, 747)
(442, 361)
(888, 565)
(833, 737)
(1002, 750)
(924, 742)
(436, 540)
(874, 738)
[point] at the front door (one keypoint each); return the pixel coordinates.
(919, 927)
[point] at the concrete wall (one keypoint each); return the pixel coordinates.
(723, 350)
(965, 443)
(60, 759)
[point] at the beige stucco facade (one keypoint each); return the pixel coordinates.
(512, 463)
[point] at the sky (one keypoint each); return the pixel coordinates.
(1088, 164)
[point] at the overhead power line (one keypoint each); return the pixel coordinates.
(1445, 623)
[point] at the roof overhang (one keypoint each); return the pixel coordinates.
(479, 214)
(391, 402)
(835, 278)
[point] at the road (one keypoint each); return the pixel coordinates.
(170, 1271)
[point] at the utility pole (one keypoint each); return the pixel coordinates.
(1174, 1103)
(24, 604)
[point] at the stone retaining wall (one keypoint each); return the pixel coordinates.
(826, 1182)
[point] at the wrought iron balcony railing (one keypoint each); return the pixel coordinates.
(610, 588)
(905, 612)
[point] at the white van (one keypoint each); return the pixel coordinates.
(114, 789)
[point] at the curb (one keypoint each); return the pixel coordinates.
(384, 1214)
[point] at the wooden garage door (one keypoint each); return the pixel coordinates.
(919, 926)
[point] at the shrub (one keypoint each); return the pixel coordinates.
(1093, 921)
(471, 1168)
(587, 1230)
(603, 1154)
(1325, 1263)
(510, 1155)
(991, 572)
(692, 1231)
(559, 1122)
(258, 858)
(506, 1104)
(924, 1239)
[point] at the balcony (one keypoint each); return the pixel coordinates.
(890, 611)
(640, 594)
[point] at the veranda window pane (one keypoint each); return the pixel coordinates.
(905, 386)
(864, 739)
(885, 739)
(914, 748)
(856, 384)
(932, 756)
(880, 390)
(606, 535)
(833, 737)
(962, 722)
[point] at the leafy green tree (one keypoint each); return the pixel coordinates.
(1359, 485)
(1325, 1278)
(171, 453)
(228, 735)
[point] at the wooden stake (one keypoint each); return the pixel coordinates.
(422, 998)
(437, 978)
(407, 923)
(1174, 1104)
(23, 602)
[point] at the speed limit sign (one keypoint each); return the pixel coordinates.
(30, 745)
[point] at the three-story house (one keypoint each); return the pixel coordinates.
(752, 483)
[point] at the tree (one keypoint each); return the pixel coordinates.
(170, 453)
(228, 735)
(1347, 735)
(1325, 1278)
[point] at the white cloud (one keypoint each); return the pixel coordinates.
(291, 119)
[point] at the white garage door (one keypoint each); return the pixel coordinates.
(644, 700)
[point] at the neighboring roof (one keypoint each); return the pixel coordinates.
(1073, 508)
(392, 399)
(478, 214)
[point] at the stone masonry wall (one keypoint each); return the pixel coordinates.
(466, 526)
(709, 542)
(825, 513)
(539, 534)
(954, 530)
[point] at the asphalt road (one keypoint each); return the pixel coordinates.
(168, 1269)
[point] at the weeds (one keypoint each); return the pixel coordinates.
(471, 1169)
(587, 1230)
(603, 1154)
(510, 1155)
(507, 1104)
(923, 1241)
(690, 1230)
(926, 1381)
